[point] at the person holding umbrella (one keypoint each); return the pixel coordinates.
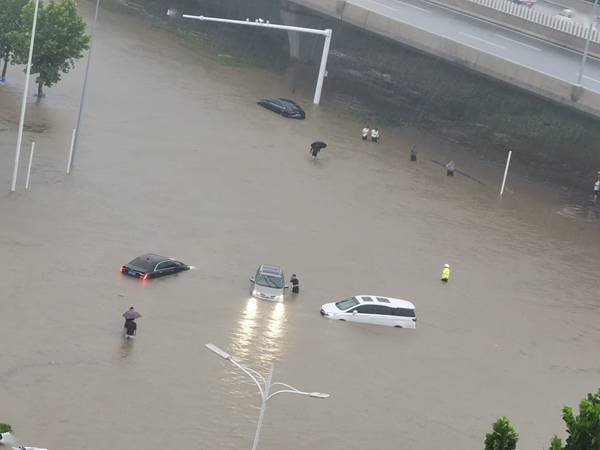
(130, 326)
(316, 147)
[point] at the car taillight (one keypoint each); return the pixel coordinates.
(122, 269)
(145, 277)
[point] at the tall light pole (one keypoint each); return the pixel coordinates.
(587, 43)
(264, 387)
(82, 99)
(265, 24)
(13, 185)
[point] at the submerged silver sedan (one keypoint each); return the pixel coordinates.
(268, 283)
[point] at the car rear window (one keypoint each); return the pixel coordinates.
(143, 263)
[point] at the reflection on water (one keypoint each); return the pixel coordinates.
(126, 346)
(8, 439)
(259, 332)
(589, 211)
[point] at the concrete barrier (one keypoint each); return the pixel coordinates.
(560, 91)
(337, 8)
(520, 24)
(576, 5)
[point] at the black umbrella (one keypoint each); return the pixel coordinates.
(318, 145)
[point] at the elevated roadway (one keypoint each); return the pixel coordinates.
(536, 65)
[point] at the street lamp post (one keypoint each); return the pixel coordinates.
(265, 24)
(264, 387)
(13, 185)
(587, 44)
(82, 98)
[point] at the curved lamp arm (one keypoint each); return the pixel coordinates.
(247, 372)
(226, 356)
(296, 391)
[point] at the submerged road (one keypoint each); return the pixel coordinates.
(176, 158)
(536, 54)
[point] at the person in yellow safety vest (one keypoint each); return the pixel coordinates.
(446, 272)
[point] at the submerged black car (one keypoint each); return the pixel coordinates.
(152, 266)
(283, 106)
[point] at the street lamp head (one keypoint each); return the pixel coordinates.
(173, 13)
(318, 395)
(222, 353)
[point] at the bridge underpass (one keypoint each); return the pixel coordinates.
(540, 67)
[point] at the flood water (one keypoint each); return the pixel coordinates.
(175, 158)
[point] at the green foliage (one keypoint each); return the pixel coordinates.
(583, 429)
(60, 39)
(10, 21)
(556, 443)
(502, 437)
(5, 428)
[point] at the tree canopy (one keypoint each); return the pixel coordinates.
(583, 429)
(60, 39)
(502, 437)
(10, 21)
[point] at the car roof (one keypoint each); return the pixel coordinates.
(152, 258)
(382, 300)
(287, 100)
(269, 269)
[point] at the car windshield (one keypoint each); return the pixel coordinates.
(347, 303)
(269, 281)
(143, 263)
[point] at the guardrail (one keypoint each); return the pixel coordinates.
(555, 22)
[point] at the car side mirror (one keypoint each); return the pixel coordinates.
(286, 286)
(252, 279)
(355, 312)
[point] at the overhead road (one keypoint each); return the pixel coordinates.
(533, 64)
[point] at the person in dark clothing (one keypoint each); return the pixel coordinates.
(413, 153)
(295, 284)
(130, 327)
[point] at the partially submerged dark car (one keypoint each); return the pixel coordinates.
(283, 106)
(152, 266)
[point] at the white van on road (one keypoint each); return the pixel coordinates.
(374, 309)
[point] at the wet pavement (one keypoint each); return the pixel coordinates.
(176, 158)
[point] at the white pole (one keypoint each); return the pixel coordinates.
(327, 33)
(13, 186)
(505, 172)
(323, 67)
(71, 150)
(29, 166)
(256, 24)
(263, 408)
(587, 44)
(82, 98)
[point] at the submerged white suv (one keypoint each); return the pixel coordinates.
(374, 309)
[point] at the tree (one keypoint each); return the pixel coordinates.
(583, 429)
(502, 437)
(5, 428)
(60, 39)
(10, 21)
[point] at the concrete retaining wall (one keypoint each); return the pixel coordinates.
(551, 88)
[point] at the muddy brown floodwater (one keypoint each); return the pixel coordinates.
(176, 158)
